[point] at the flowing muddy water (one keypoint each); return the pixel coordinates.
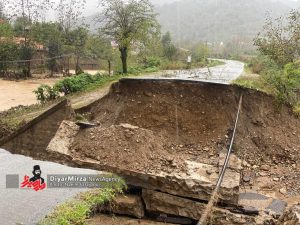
(15, 93)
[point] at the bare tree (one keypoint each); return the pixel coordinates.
(128, 22)
(69, 12)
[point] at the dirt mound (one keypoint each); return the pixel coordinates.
(126, 147)
(196, 121)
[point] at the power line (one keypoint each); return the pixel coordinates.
(37, 60)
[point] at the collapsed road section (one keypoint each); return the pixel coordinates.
(169, 138)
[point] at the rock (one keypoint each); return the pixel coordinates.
(265, 167)
(128, 126)
(263, 174)
(209, 172)
(234, 162)
(129, 205)
(206, 149)
(283, 191)
(193, 183)
(177, 206)
(276, 179)
(291, 216)
(276, 208)
(63, 138)
(148, 93)
(117, 220)
(246, 179)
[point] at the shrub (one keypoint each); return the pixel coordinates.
(46, 93)
(285, 82)
(152, 62)
(74, 84)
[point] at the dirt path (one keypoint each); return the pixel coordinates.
(15, 93)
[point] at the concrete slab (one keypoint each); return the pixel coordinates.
(178, 206)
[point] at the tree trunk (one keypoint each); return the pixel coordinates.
(109, 67)
(124, 59)
(77, 67)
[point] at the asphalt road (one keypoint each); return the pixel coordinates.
(224, 74)
(25, 206)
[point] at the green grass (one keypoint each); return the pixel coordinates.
(252, 82)
(296, 110)
(79, 209)
(17, 115)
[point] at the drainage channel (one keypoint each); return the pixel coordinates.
(214, 197)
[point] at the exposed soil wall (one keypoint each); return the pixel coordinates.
(196, 120)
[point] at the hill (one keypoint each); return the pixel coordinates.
(219, 20)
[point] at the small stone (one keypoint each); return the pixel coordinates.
(265, 167)
(263, 174)
(180, 146)
(276, 179)
(246, 179)
(209, 172)
(245, 164)
(254, 166)
(283, 191)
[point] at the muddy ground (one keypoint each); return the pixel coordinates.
(179, 120)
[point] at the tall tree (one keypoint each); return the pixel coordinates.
(32, 12)
(128, 23)
(100, 48)
(168, 47)
(69, 15)
(69, 12)
(281, 39)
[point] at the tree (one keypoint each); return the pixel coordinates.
(77, 38)
(50, 36)
(168, 47)
(200, 52)
(32, 12)
(100, 48)
(69, 14)
(281, 39)
(128, 23)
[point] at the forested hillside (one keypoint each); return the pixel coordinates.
(219, 20)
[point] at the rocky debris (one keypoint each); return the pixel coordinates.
(63, 138)
(195, 183)
(174, 205)
(234, 162)
(127, 147)
(262, 203)
(129, 205)
(276, 208)
(198, 125)
(290, 217)
(112, 220)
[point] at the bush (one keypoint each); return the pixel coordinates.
(46, 93)
(75, 84)
(286, 82)
(152, 62)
